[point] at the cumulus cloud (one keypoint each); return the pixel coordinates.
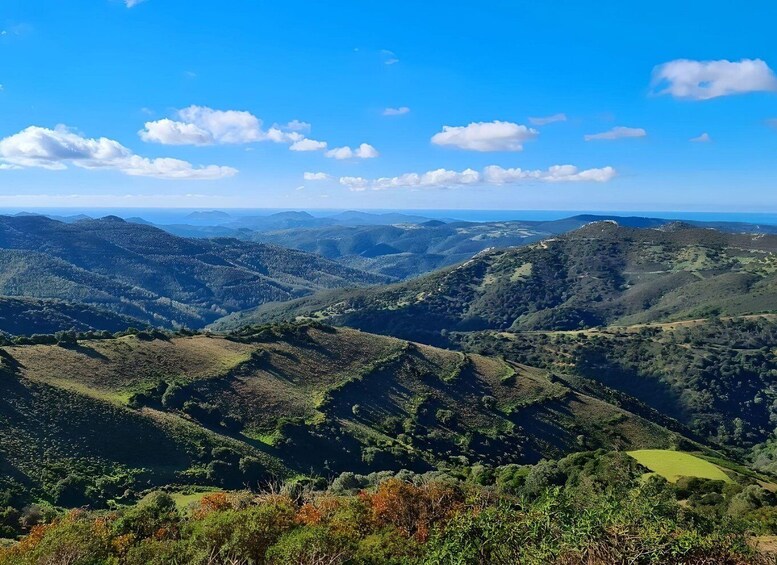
(169, 132)
(364, 151)
(702, 80)
(355, 184)
(486, 136)
(200, 125)
(492, 175)
(297, 125)
(316, 176)
(543, 121)
(703, 138)
(396, 111)
(54, 149)
(557, 173)
(308, 145)
(616, 133)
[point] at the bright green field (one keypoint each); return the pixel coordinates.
(184, 501)
(675, 464)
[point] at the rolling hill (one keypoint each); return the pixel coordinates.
(102, 418)
(714, 376)
(600, 274)
(27, 316)
(146, 273)
(404, 246)
(404, 250)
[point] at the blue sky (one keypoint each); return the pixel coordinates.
(199, 104)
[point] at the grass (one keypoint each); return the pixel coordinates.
(184, 500)
(675, 464)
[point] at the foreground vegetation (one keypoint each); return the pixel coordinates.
(98, 420)
(586, 508)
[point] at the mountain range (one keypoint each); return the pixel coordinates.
(600, 274)
(405, 246)
(607, 338)
(145, 273)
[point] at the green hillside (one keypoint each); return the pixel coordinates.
(404, 246)
(104, 418)
(404, 250)
(140, 271)
(715, 376)
(25, 316)
(600, 274)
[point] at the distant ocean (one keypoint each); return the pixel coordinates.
(178, 215)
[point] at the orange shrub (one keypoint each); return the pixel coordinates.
(413, 510)
(213, 502)
(308, 515)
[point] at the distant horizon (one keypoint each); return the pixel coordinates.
(176, 215)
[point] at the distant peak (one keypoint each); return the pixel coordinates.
(112, 219)
(676, 226)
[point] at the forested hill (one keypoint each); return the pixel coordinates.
(93, 420)
(28, 316)
(600, 274)
(149, 274)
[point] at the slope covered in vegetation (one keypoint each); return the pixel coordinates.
(26, 316)
(601, 274)
(146, 273)
(586, 508)
(715, 376)
(99, 419)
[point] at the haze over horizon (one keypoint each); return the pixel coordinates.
(502, 106)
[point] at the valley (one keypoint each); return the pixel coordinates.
(520, 369)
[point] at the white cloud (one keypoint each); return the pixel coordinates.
(316, 176)
(297, 125)
(543, 121)
(200, 125)
(306, 144)
(557, 173)
(703, 138)
(486, 136)
(132, 3)
(492, 175)
(364, 151)
(616, 133)
(170, 132)
(702, 80)
(54, 149)
(355, 184)
(396, 111)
